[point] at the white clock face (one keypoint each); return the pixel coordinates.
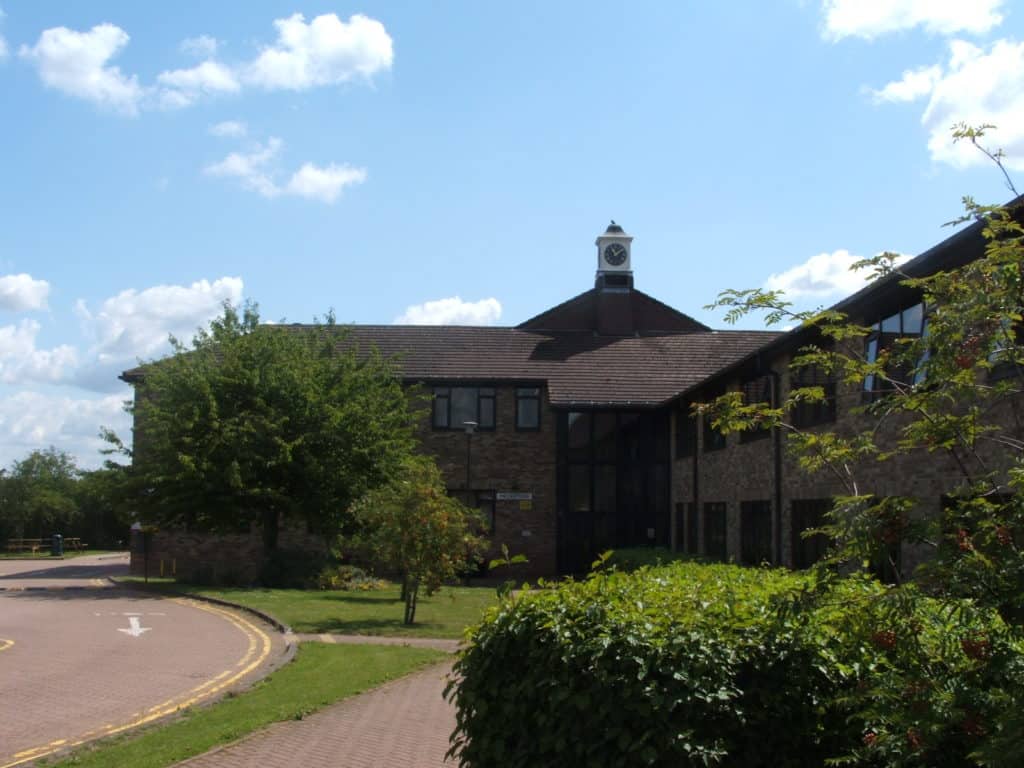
(615, 254)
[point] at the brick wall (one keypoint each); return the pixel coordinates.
(505, 460)
(743, 472)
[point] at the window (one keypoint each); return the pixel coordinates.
(686, 432)
(692, 529)
(454, 406)
(713, 439)
(485, 502)
(755, 532)
(527, 409)
(808, 514)
(714, 530)
(907, 323)
(809, 414)
(757, 390)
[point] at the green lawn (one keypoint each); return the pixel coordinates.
(379, 612)
(320, 675)
(45, 554)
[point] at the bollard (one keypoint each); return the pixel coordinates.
(57, 545)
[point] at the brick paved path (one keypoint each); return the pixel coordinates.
(450, 646)
(403, 724)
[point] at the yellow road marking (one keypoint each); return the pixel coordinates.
(5, 644)
(258, 650)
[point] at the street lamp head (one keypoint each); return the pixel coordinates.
(469, 426)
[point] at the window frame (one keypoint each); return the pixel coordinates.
(749, 554)
(747, 389)
(711, 438)
(444, 392)
(887, 339)
(535, 397)
(804, 415)
(717, 512)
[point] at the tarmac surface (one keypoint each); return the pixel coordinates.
(81, 658)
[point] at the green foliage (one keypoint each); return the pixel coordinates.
(414, 528)
(254, 423)
(37, 496)
(347, 578)
(954, 391)
(633, 558)
(701, 664)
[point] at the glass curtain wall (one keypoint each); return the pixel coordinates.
(613, 483)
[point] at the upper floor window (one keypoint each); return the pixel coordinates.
(909, 322)
(713, 439)
(686, 432)
(527, 408)
(454, 406)
(806, 413)
(757, 390)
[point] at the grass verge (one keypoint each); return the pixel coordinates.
(379, 612)
(320, 675)
(68, 554)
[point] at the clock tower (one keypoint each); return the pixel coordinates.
(614, 271)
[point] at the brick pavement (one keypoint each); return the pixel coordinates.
(403, 724)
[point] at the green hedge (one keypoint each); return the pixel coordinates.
(686, 664)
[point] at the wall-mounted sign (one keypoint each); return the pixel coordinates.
(514, 496)
(525, 506)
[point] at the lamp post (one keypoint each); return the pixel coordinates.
(470, 427)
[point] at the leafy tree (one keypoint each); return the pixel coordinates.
(413, 527)
(37, 496)
(254, 423)
(954, 390)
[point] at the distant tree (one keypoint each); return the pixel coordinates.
(254, 423)
(37, 495)
(414, 528)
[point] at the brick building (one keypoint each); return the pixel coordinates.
(572, 431)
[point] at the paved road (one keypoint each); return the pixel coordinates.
(81, 658)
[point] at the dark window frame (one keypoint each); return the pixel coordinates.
(528, 394)
(807, 414)
(716, 530)
(759, 387)
(811, 513)
(711, 438)
(686, 433)
(884, 337)
(755, 551)
(443, 392)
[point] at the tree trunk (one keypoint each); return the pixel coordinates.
(270, 528)
(410, 601)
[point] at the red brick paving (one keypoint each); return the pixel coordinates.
(403, 724)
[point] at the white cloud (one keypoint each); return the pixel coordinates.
(184, 87)
(826, 274)
(22, 292)
(324, 184)
(452, 311)
(33, 420)
(324, 52)
(250, 168)
(135, 324)
(21, 361)
(914, 84)
(76, 63)
(229, 129)
(979, 86)
(871, 18)
(3, 48)
(253, 169)
(201, 46)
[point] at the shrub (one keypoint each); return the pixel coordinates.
(632, 558)
(347, 578)
(688, 664)
(286, 569)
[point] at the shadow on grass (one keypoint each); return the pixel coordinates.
(366, 627)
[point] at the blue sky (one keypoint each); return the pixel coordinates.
(453, 162)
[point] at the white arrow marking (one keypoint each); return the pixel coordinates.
(135, 629)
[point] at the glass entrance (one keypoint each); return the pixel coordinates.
(613, 483)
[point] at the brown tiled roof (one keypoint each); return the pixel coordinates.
(580, 367)
(580, 313)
